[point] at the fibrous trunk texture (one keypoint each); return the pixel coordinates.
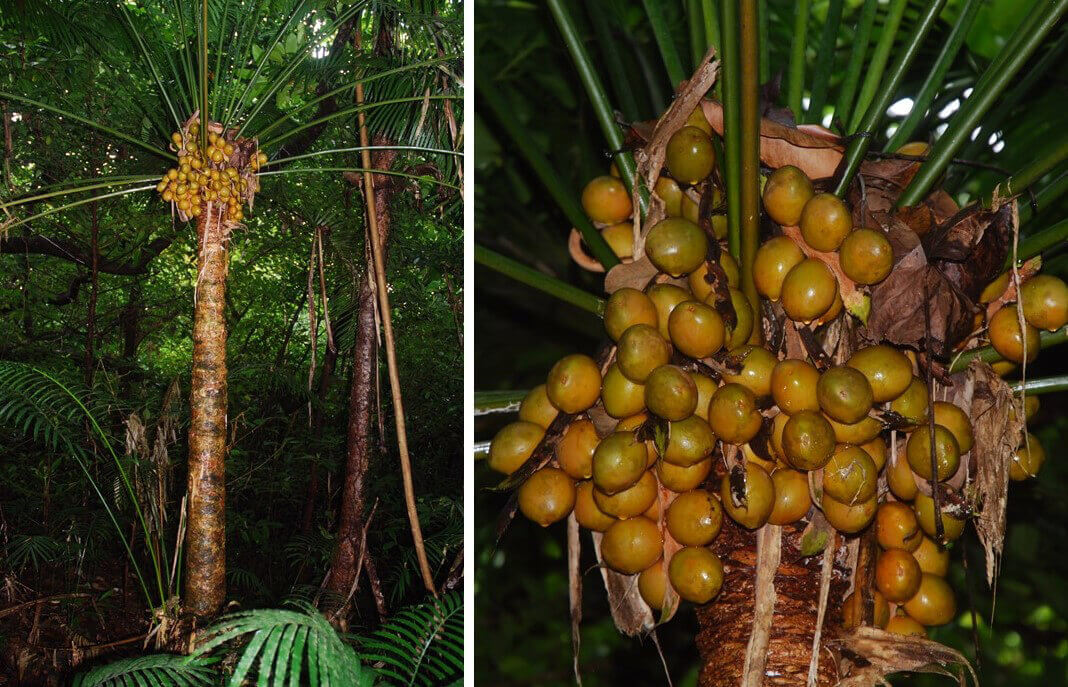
(362, 397)
(726, 624)
(205, 540)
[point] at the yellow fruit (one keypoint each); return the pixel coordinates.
(665, 298)
(793, 386)
(620, 238)
(757, 365)
(733, 414)
(850, 476)
(641, 350)
(1044, 299)
(696, 574)
(605, 199)
(547, 496)
(652, 585)
(574, 383)
(694, 518)
(933, 603)
(808, 440)
(670, 393)
(620, 396)
(956, 421)
(896, 527)
(1027, 460)
(904, 625)
(536, 408)
(627, 307)
(866, 256)
(1007, 338)
(897, 575)
(808, 290)
(848, 518)
(912, 403)
(676, 246)
(618, 462)
(574, 451)
(689, 155)
(696, 329)
(887, 370)
(792, 497)
(667, 189)
(681, 479)
(758, 498)
(825, 222)
(689, 441)
(924, 507)
(946, 452)
(632, 545)
(774, 259)
(899, 477)
(512, 445)
(844, 394)
(586, 511)
(931, 558)
(632, 501)
(786, 192)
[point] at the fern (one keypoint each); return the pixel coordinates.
(159, 670)
(421, 645)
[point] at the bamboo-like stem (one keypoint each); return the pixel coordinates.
(989, 355)
(710, 16)
(859, 146)
(539, 280)
(613, 60)
(565, 199)
(1039, 23)
(695, 23)
(749, 127)
(591, 80)
(732, 132)
(878, 64)
(487, 402)
(936, 77)
(1047, 194)
(379, 268)
(861, 38)
(1040, 242)
(654, 11)
(795, 84)
(1054, 154)
(1044, 385)
(821, 75)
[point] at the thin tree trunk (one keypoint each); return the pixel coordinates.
(311, 496)
(90, 324)
(359, 444)
(205, 542)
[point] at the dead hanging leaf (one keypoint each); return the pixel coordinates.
(826, 572)
(630, 613)
(898, 302)
(814, 150)
(768, 553)
(1026, 271)
(604, 423)
(970, 250)
(671, 547)
(636, 275)
(574, 590)
(853, 297)
(997, 433)
(868, 655)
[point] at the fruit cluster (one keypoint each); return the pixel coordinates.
(863, 442)
(216, 174)
(689, 159)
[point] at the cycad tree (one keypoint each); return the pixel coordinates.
(876, 75)
(226, 94)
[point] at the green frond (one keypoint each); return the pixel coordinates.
(420, 645)
(159, 670)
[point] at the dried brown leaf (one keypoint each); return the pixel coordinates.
(636, 275)
(853, 297)
(813, 150)
(630, 613)
(867, 655)
(769, 553)
(826, 571)
(574, 590)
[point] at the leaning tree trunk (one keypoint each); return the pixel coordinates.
(362, 395)
(205, 540)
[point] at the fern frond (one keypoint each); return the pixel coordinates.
(421, 645)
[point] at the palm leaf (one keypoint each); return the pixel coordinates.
(159, 670)
(421, 645)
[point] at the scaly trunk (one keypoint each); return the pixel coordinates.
(205, 540)
(361, 406)
(726, 624)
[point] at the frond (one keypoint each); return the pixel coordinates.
(421, 645)
(160, 670)
(288, 643)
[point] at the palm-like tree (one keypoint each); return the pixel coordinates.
(268, 78)
(874, 48)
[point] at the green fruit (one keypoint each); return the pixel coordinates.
(689, 441)
(670, 393)
(808, 440)
(866, 256)
(786, 192)
(625, 308)
(850, 477)
(619, 462)
(757, 365)
(632, 545)
(668, 191)
(1009, 340)
(947, 452)
(666, 297)
(793, 386)
(844, 394)
(632, 501)
(1044, 299)
(676, 246)
(547, 496)
(733, 414)
(620, 396)
(537, 408)
(641, 350)
(690, 156)
(696, 574)
(586, 511)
